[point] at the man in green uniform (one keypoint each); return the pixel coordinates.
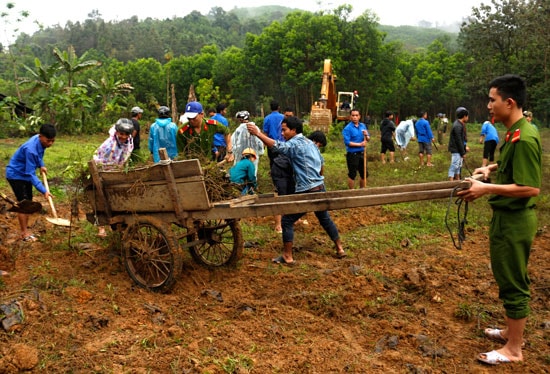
(514, 224)
(196, 136)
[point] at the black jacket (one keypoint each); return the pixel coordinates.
(457, 139)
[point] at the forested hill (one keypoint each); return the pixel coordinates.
(413, 38)
(134, 38)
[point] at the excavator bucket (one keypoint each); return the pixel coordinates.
(320, 119)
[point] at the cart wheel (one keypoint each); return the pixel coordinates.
(221, 242)
(152, 255)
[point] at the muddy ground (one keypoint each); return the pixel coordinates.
(413, 309)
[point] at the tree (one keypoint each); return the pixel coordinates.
(109, 90)
(146, 75)
(72, 64)
(508, 36)
(10, 30)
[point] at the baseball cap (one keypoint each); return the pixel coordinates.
(136, 109)
(192, 109)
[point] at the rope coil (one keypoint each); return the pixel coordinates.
(461, 223)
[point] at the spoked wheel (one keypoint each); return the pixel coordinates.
(152, 256)
(219, 242)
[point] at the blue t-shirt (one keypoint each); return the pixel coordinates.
(272, 126)
(25, 161)
(219, 139)
(489, 131)
(423, 131)
(354, 134)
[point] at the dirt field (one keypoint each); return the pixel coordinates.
(414, 309)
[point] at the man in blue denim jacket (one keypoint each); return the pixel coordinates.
(307, 163)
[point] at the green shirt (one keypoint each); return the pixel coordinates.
(520, 162)
(190, 142)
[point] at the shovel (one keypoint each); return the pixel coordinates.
(54, 220)
(23, 206)
(365, 162)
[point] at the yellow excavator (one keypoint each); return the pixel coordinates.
(328, 107)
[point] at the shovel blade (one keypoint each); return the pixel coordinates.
(59, 221)
(26, 206)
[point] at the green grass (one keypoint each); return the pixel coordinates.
(417, 219)
(69, 156)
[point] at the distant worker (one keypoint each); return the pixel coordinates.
(404, 133)
(220, 145)
(272, 127)
(282, 175)
(489, 139)
(356, 135)
(115, 151)
(425, 138)
(387, 133)
(529, 117)
(320, 140)
(242, 139)
(243, 173)
(345, 105)
(21, 172)
(442, 123)
(288, 112)
(136, 114)
(196, 137)
(162, 134)
(457, 143)
(117, 148)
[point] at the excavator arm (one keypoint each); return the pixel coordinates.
(324, 109)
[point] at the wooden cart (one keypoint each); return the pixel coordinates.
(164, 208)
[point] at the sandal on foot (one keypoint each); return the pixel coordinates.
(281, 261)
(493, 358)
(3, 273)
(29, 238)
(341, 254)
(496, 335)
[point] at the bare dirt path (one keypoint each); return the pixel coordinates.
(409, 310)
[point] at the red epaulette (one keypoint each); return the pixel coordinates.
(184, 129)
(515, 137)
(210, 122)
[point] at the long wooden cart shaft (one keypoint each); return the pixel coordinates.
(175, 192)
(268, 204)
(333, 200)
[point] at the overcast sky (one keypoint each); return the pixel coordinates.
(390, 12)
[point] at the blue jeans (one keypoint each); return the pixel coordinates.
(288, 220)
(456, 165)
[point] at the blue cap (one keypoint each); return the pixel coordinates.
(192, 109)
